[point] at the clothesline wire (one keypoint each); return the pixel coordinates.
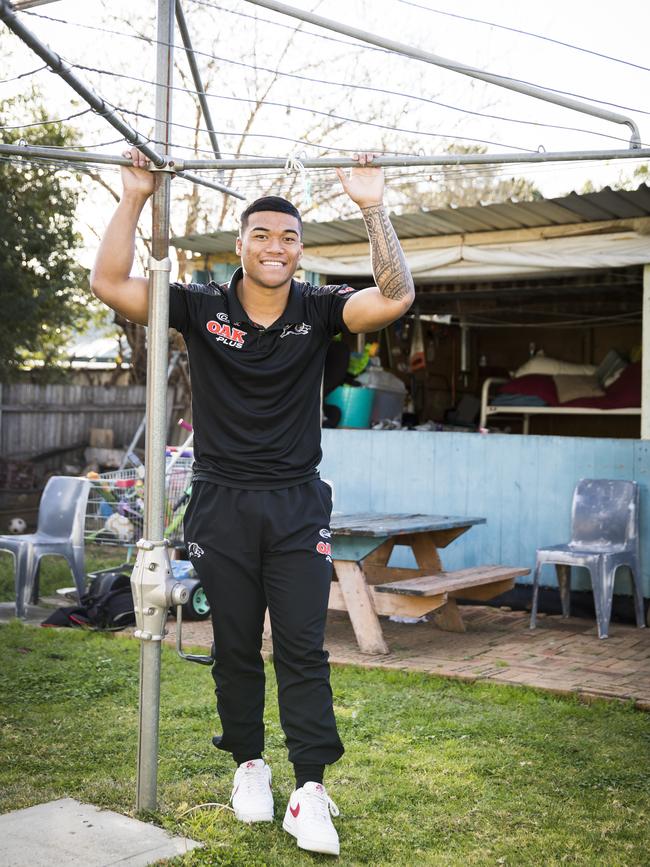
(408, 96)
(274, 104)
(39, 123)
(524, 33)
(632, 316)
(332, 116)
(26, 74)
(361, 46)
(314, 80)
(387, 51)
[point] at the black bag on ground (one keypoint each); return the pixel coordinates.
(108, 604)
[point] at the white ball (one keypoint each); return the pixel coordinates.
(17, 526)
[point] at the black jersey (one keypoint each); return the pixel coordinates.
(256, 391)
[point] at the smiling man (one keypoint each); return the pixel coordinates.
(257, 526)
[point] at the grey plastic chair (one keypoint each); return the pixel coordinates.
(604, 536)
(61, 517)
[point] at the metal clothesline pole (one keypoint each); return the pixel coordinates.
(156, 410)
(81, 157)
(19, 5)
(454, 66)
(422, 161)
(180, 165)
(99, 105)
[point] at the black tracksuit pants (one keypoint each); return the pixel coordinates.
(253, 549)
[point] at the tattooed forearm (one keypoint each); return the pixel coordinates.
(389, 267)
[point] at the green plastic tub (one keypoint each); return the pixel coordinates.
(355, 405)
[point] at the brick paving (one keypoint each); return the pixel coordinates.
(563, 656)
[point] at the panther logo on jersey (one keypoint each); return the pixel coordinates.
(302, 328)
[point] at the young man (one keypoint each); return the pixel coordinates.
(257, 526)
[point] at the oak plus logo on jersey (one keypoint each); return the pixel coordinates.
(225, 333)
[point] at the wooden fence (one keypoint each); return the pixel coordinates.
(35, 419)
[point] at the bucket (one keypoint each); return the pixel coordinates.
(355, 405)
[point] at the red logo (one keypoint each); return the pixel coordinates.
(345, 290)
(295, 812)
(226, 334)
(324, 548)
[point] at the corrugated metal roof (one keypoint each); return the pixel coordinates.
(607, 204)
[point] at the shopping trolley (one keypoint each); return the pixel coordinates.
(115, 510)
(115, 516)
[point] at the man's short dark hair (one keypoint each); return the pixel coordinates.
(271, 203)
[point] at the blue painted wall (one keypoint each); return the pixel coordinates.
(522, 484)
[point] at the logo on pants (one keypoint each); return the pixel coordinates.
(195, 550)
(325, 548)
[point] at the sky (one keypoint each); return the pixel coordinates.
(333, 96)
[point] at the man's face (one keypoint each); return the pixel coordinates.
(270, 248)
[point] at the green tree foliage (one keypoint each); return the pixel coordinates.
(41, 285)
(462, 186)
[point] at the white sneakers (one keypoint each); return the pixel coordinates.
(308, 819)
(308, 811)
(252, 798)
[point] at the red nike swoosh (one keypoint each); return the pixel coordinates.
(295, 812)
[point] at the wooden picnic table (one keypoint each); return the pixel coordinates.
(365, 585)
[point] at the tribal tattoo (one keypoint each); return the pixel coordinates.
(389, 266)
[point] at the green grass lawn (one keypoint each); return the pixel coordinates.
(55, 571)
(436, 771)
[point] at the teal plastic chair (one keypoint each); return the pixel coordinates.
(604, 536)
(61, 518)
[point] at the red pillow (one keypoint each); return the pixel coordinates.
(622, 394)
(626, 391)
(532, 385)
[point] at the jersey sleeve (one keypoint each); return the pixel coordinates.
(330, 301)
(178, 313)
(183, 298)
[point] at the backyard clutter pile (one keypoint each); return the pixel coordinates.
(107, 606)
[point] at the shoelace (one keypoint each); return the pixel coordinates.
(254, 781)
(320, 804)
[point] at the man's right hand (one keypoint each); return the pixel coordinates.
(137, 179)
(111, 279)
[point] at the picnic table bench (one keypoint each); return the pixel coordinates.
(366, 586)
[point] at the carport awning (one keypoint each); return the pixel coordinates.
(478, 262)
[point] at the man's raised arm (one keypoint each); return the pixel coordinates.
(377, 306)
(110, 278)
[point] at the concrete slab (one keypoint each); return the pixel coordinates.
(73, 834)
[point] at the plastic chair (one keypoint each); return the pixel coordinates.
(604, 536)
(61, 517)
